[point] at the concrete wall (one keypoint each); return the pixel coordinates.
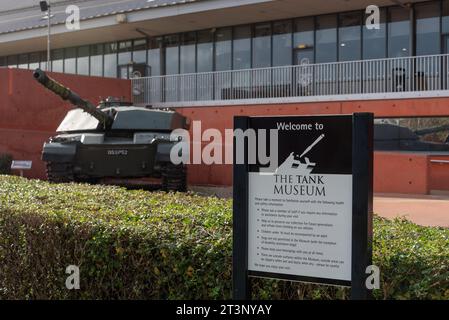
(30, 114)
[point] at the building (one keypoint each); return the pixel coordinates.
(213, 59)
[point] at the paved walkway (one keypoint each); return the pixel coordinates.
(423, 210)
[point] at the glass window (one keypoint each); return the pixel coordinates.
(23, 61)
(398, 32)
(110, 60)
(155, 56)
(188, 50)
(171, 54)
(44, 61)
(445, 17)
(304, 41)
(242, 47)
(83, 60)
(35, 58)
(262, 45)
(12, 61)
(57, 60)
(70, 60)
(427, 28)
(125, 49)
(326, 38)
(375, 40)
(2, 61)
(96, 60)
(223, 47)
(349, 35)
(205, 50)
(140, 51)
(282, 43)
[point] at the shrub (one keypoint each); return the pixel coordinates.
(142, 245)
(5, 163)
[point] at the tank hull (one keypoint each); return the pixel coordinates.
(70, 159)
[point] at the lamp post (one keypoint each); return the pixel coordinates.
(45, 7)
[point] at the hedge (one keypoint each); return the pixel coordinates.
(5, 163)
(132, 244)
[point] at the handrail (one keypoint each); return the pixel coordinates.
(389, 75)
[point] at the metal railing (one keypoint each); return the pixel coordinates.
(407, 74)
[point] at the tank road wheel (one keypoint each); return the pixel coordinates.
(60, 172)
(174, 177)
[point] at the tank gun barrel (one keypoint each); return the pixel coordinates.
(423, 132)
(72, 97)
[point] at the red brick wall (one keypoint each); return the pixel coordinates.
(390, 175)
(29, 114)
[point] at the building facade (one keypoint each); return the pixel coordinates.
(414, 29)
(213, 59)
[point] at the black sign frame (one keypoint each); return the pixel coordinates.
(362, 216)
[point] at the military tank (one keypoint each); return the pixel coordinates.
(115, 141)
(393, 137)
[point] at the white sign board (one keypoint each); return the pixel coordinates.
(307, 234)
(21, 165)
(300, 215)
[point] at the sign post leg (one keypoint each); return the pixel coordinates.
(362, 220)
(241, 287)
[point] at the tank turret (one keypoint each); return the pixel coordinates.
(104, 118)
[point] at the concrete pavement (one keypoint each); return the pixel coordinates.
(423, 210)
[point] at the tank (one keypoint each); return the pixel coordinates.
(114, 141)
(393, 137)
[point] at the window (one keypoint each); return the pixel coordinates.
(205, 50)
(154, 56)
(282, 43)
(445, 17)
(83, 60)
(125, 49)
(23, 61)
(2, 61)
(171, 54)
(242, 48)
(304, 41)
(44, 61)
(12, 61)
(96, 60)
(350, 36)
(223, 47)
(188, 51)
(57, 58)
(110, 60)
(262, 45)
(398, 32)
(140, 51)
(375, 40)
(70, 60)
(326, 39)
(427, 28)
(35, 58)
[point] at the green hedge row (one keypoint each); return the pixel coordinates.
(5, 163)
(142, 245)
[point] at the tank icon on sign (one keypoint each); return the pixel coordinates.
(293, 163)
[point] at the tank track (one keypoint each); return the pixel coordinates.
(60, 172)
(174, 177)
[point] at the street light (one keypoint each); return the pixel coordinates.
(45, 7)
